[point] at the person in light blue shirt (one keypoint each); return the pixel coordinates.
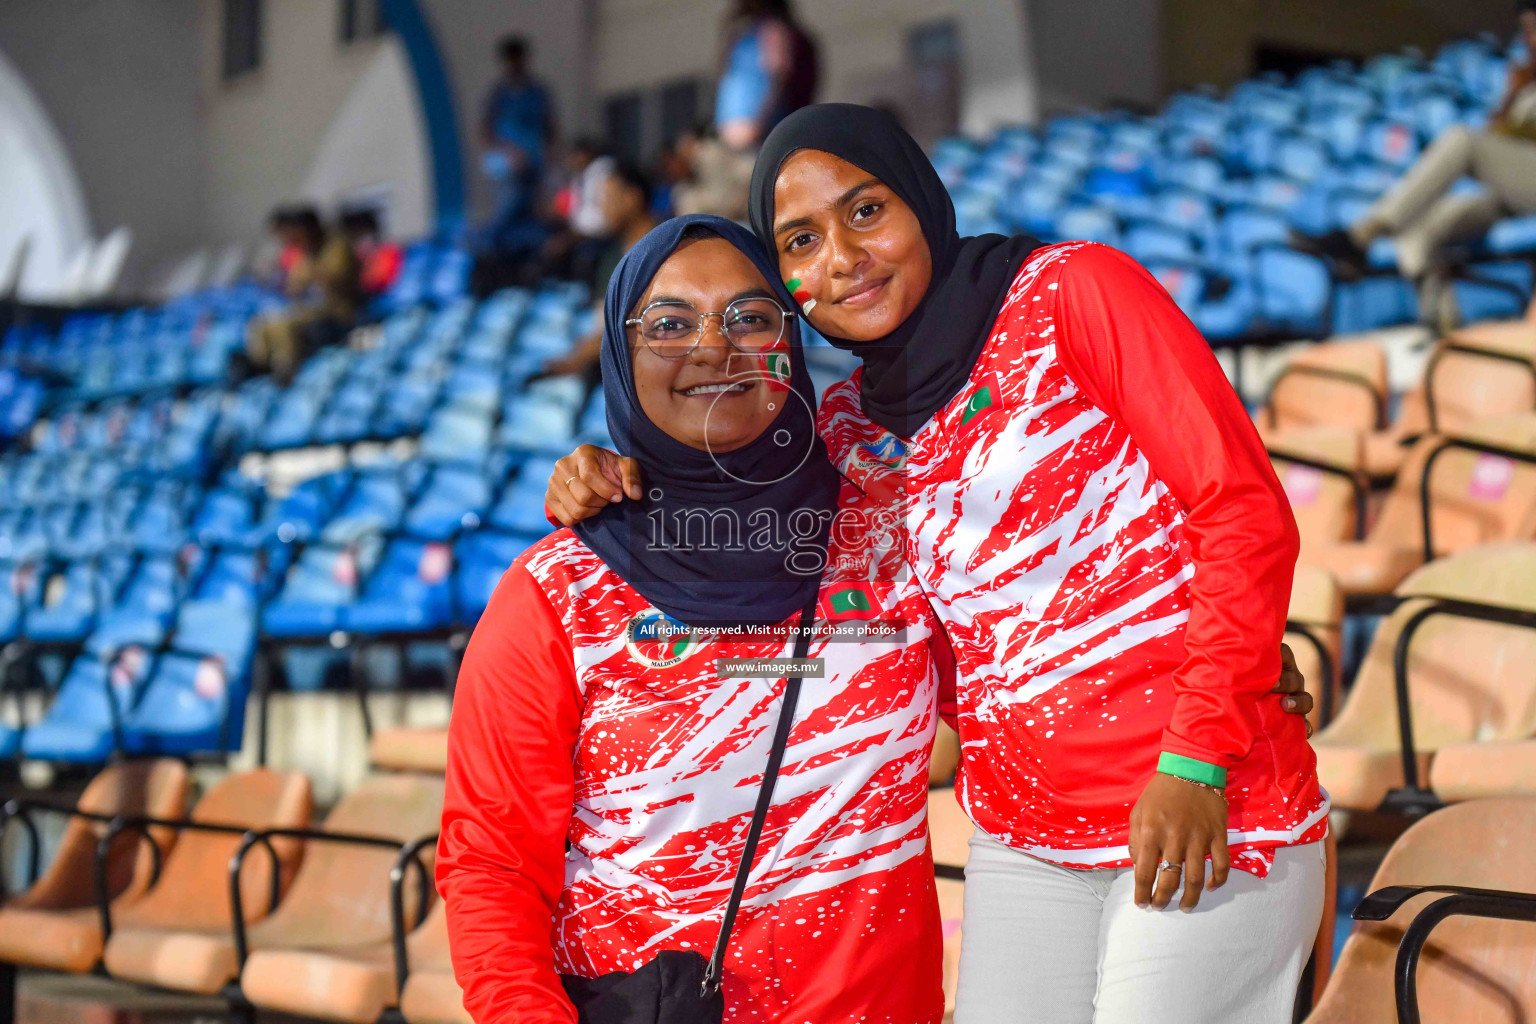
(516, 131)
(768, 70)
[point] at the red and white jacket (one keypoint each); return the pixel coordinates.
(1100, 531)
(600, 788)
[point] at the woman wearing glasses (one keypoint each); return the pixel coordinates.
(1098, 528)
(602, 773)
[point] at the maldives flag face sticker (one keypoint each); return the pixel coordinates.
(987, 396)
(850, 601)
(800, 293)
(776, 366)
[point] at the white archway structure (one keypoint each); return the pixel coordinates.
(40, 196)
(374, 152)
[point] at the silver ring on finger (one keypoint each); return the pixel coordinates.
(1164, 865)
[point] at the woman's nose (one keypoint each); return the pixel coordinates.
(845, 254)
(713, 349)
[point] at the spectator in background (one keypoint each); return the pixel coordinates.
(573, 252)
(378, 259)
(516, 130)
(325, 291)
(768, 70)
(626, 209)
(1422, 213)
(275, 266)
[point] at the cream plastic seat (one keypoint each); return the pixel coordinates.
(1469, 681)
(1473, 969)
(1473, 771)
(1326, 503)
(431, 995)
(150, 940)
(1475, 498)
(326, 951)
(1467, 386)
(55, 923)
(1331, 384)
(410, 748)
(1317, 607)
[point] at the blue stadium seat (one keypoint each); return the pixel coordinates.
(81, 725)
(454, 499)
(482, 558)
(71, 599)
(318, 585)
(407, 593)
(194, 701)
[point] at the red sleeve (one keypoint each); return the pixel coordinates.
(1127, 345)
(510, 790)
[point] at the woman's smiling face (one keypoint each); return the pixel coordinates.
(715, 398)
(854, 246)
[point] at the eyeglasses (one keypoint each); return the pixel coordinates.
(674, 329)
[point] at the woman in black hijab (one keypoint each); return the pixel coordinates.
(1102, 534)
(1096, 523)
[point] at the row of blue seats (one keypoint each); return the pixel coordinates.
(164, 668)
(1207, 192)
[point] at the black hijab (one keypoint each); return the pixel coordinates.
(783, 478)
(911, 373)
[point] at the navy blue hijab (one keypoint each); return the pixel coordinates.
(718, 539)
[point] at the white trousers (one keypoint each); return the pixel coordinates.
(1043, 944)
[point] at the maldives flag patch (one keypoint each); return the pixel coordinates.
(850, 601)
(987, 397)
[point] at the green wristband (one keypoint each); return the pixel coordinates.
(1194, 771)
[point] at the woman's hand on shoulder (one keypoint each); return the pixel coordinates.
(1174, 826)
(587, 481)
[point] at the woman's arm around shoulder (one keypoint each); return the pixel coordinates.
(510, 793)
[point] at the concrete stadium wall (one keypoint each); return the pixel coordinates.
(119, 82)
(262, 130)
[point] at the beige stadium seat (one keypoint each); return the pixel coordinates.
(1477, 372)
(1330, 384)
(410, 749)
(431, 995)
(1473, 771)
(1475, 498)
(1469, 681)
(1314, 632)
(339, 893)
(1321, 471)
(325, 952)
(1473, 969)
(356, 983)
(55, 923)
(156, 941)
